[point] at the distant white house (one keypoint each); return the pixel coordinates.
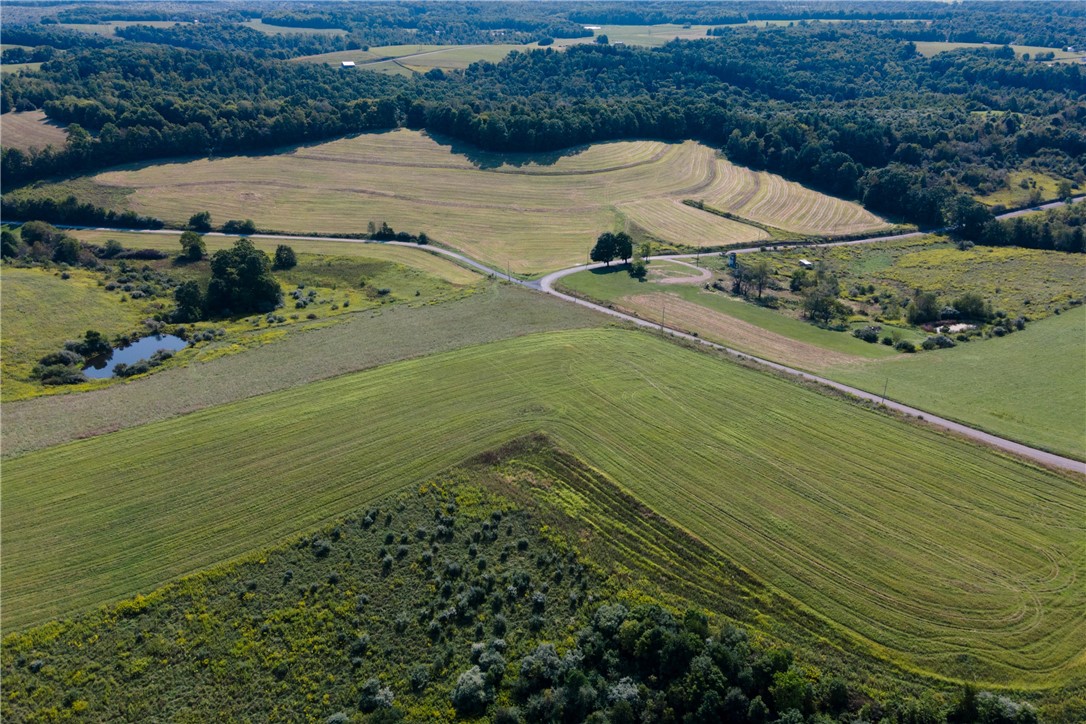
(592, 27)
(347, 64)
(805, 264)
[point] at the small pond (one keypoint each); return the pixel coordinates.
(100, 367)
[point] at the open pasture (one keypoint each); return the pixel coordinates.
(1026, 386)
(30, 129)
(527, 213)
(258, 24)
(929, 48)
(417, 58)
(12, 68)
(1023, 188)
(937, 554)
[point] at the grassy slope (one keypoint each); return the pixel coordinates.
(849, 511)
(358, 342)
(601, 541)
(530, 212)
(1028, 386)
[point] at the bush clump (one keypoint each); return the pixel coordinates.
(868, 334)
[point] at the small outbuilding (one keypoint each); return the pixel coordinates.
(805, 264)
(347, 64)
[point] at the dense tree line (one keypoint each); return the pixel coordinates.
(1062, 229)
(843, 109)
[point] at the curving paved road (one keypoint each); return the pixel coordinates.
(546, 285)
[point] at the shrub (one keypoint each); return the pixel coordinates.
(905, 346)
(888, 340)
(64, 357)
(58, 375)
(285, 257)
(867, 334)
(374, 696)
(471, 695)
(999, 331)
(419, 678)
(321, 548)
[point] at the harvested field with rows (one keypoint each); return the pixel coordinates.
(530, 213)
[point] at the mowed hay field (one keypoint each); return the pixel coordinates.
(30, 129)
(772, 200)
(530, 213)
(937, 554)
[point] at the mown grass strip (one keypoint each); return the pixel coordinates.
(949, 557)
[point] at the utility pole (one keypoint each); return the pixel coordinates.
(884, 386)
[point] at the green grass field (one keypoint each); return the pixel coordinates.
(940, 555)
(530, 213)
(580, 533)
(110, 27)
(1028, 386)
(42, 311)
(435, 265)
(257, 24)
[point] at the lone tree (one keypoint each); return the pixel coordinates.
(605, 248)
(201, 222)
(241, 281)
(284, 257)
(623, 246)
(192, 246)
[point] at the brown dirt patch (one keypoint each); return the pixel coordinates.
(733, 332)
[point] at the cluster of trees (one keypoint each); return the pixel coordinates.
(241, 281)
(1062, 229)
(40, 241)
(611, 246)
